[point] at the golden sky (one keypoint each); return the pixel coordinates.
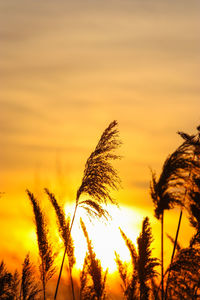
(68, 68)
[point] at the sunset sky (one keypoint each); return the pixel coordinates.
(69, 68)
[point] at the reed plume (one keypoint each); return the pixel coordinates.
(92, 267)
(29, 288)
(143, 265)
(192, 143)
(5, 282)
(99, 175)
(172, 187)
(99, 178)
(47, 257)
(130, 281)
(64, 231)
(9, 283)
(146, 263)
(184, 282)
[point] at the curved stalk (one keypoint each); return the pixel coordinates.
(64, 254)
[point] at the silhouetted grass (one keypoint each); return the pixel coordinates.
(47, 257)
(98, 179)
(29, 287)
(137, 284)
(178, 184)
(92, 267)
(64, 230)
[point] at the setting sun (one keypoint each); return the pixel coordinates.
(105, 236)
(93, 94)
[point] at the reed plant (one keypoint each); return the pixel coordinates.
(99, 178)
(65, 234)
(92, 270)
(46, 254)
(138, 284)
(172, 187)
(5, 282)
(29, 287)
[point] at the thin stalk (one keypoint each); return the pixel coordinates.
(177, 232)
(43, 281)
(174, 249)
(72, 283)
(64, 254)
(20, 292)
(162, 256)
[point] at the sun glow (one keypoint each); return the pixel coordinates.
(105, 235)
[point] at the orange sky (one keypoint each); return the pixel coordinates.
(68, 68)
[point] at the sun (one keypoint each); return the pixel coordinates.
(105, 235)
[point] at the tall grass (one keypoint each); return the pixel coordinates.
(172, 187)
(99, 178)
(137, 285)
(178, 184)
(29, 287)
(92, 267)
(64, 231)
(47, 257)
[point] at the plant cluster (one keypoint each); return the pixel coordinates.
(178, 184)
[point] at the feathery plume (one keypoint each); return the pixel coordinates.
(45, 250)
(184, 282)
(5, 282)
(146, 263)
(130, 281)
(143, 265)
(64, 228)
(98, 179)
(65, 233)
(94, 269)
(99, 175)
(29, 289)
(123, 272)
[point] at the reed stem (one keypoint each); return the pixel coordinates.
(64, 254)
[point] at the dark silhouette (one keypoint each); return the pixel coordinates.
(47, 257)
(172, 186)
(137, 285)
(29, 288)
(64, 231)
(98, 178)
(93, 280)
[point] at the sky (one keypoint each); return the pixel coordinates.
(69, 68)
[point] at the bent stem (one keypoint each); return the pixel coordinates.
(64, 254)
